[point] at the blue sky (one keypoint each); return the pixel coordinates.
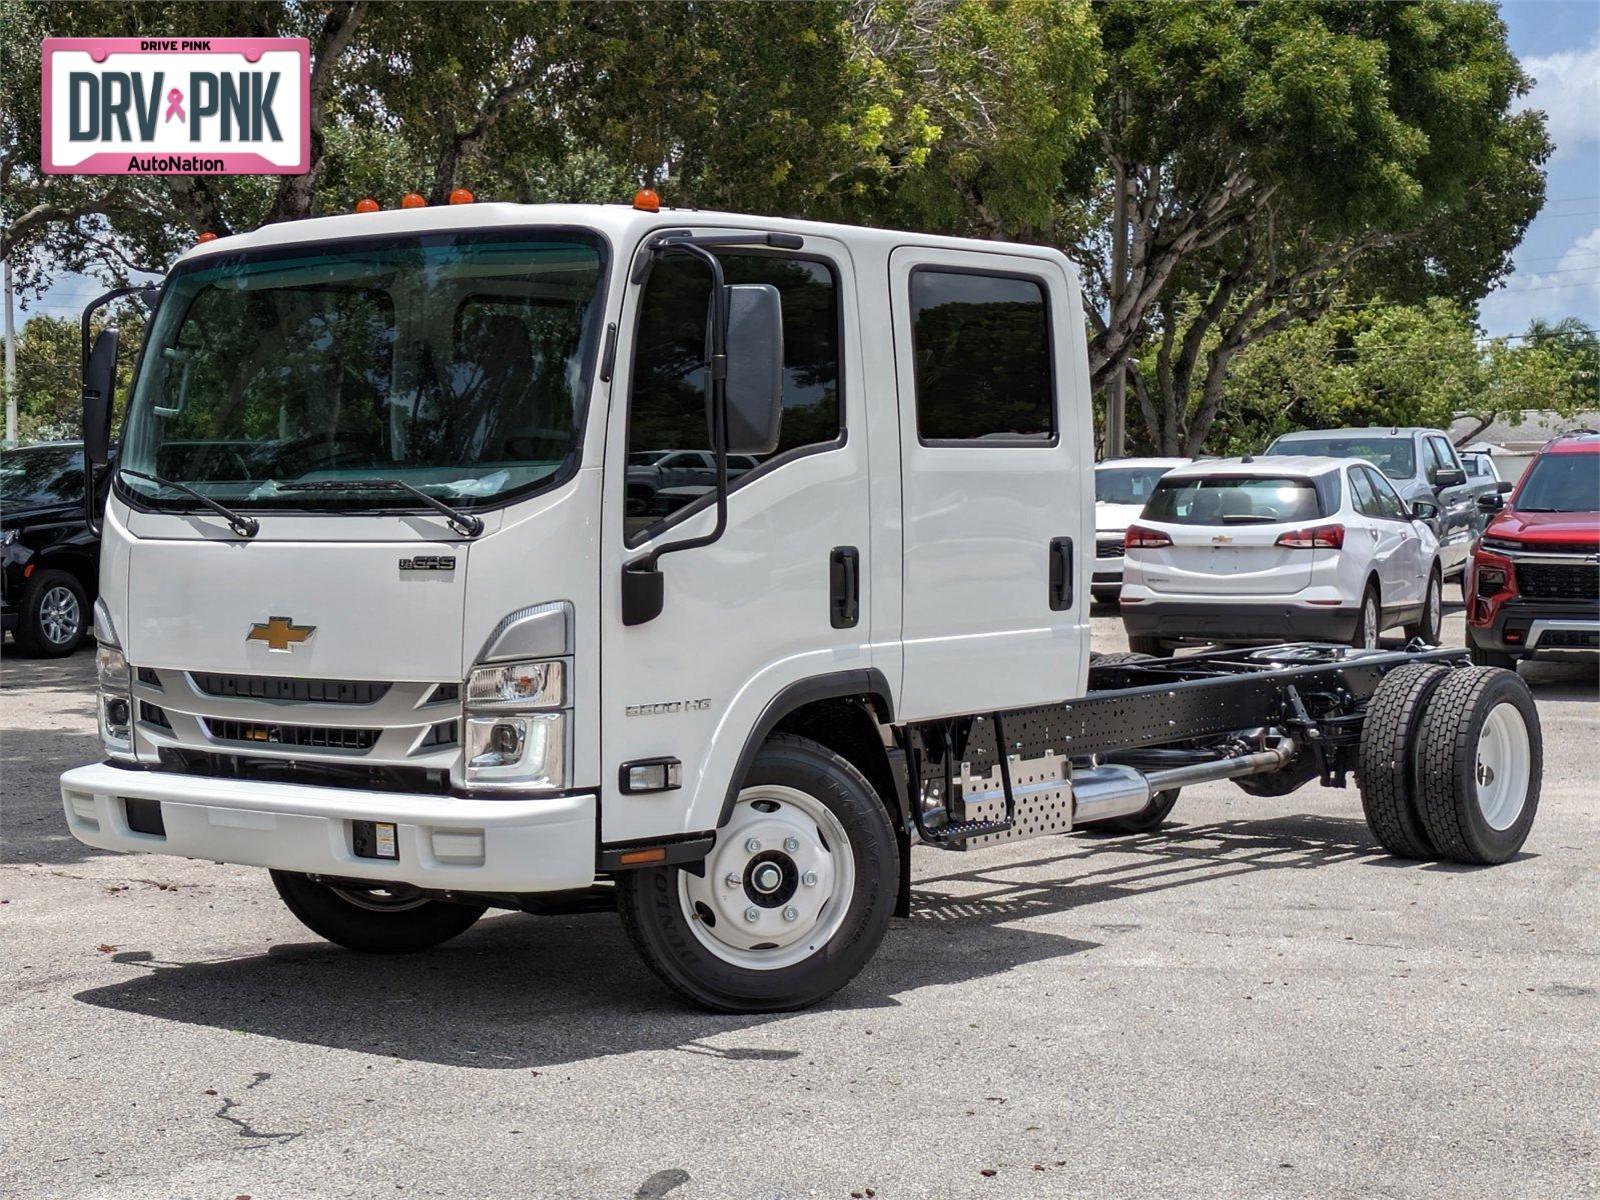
(1558, 264)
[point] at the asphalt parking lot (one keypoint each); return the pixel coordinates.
(1252, 1002)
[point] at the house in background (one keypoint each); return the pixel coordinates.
(1512, 446)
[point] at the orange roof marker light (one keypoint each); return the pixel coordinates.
(646, 200)
(367, 204)
(205, 237)
(413, 200)
(460, 196)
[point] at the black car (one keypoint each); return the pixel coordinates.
(51, 559)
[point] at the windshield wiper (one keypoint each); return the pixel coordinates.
(242, 525)
(467, 523)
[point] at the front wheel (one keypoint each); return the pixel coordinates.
(375, 918)
(793, 899)
(1369, 621)
(53, 615)
(1481, 656)
(1149, 647)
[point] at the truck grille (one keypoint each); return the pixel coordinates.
(1569, 639)
(319, 737)
(304, 691)
(1559, 581)
(1109, 549)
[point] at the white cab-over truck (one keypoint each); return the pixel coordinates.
(376, 611)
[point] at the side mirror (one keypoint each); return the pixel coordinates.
(1505, 487)
(754, 386)
(1449, 477)
(1493, 502)
(99, 381)
(1424, 510)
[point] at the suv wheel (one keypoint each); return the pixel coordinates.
(1429, 625)
(53, 615)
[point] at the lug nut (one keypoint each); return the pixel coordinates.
(791, 913)
(809, 879)
(752, 915)
(752, 846)
(731, 879)
(791, 844)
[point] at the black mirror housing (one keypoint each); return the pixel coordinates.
(1492, 503)
(1449, 477)
(1505, 487)
(754, 384)
(99, 382)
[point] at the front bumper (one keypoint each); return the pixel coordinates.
(445, 842)
(1528, 629)
(1237, 620)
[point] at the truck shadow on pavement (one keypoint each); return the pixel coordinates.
(517, 992)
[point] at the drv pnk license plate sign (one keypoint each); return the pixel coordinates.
(176, 106)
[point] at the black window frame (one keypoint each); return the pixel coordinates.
(1008, 441)
(649, 533)
(1381, 487)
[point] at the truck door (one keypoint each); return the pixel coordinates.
(783, 596)
(996, 478)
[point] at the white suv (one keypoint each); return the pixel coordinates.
(1284, 548)
(1121, 486)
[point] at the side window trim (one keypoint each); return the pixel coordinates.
(1002, 441)
(736, 482)
(1383, 493)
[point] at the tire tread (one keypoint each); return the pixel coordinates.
(1387, 758)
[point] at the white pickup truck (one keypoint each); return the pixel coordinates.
(376, 613)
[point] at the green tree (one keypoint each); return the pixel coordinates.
(1276, 154)
(49, 382)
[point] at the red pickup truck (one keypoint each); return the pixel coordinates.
(1533, 586)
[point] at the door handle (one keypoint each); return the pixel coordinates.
(1060, 574)
(844, 587)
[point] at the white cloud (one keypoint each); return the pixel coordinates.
(1567, 88)
(1572, 288)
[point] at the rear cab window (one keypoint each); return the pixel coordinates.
(982, 356)
(1240, 500)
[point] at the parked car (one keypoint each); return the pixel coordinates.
(1479, 466)
(51, 560)
(1534, 585)
(1422, 465)
(1255, 550)
(1121, 486)
(649, 471)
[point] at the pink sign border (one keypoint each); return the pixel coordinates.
(233, 163)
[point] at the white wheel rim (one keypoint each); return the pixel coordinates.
(777, 883)
(1435, 602)
(58, 616)
(1501, 772)
(378, 897)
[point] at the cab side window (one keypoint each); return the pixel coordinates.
(1441, 453)
(981, 346)
(1386, 500)
(667, 431)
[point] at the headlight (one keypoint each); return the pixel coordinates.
(516, 725)
(518, 685)
(116, 701)
(8, 537)
(521, 750)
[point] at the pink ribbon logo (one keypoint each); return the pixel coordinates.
(175, 105)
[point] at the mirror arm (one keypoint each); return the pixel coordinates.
(89, 507)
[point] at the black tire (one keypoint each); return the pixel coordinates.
(1106, 596)
(376, 918)
(1366, 634)
(1149, 647)
(1152, 816)
(1483, 657)
(1386, 763)
(52, 615)
(1280, 783)
(1451, 754)
(648, 899)
(1429, 625)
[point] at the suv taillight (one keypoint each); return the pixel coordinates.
(1319, 537)
(1140, 538)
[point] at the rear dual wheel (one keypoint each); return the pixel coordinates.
(1450, 763)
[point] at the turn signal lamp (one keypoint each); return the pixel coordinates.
(646, 200)
(205, 237)
(367, 205)
(460, 196)
(413, 200)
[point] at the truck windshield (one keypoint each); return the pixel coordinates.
(455, 363)
(1396, 457)
(1561, 483)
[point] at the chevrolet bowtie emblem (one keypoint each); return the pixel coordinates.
(280, 633)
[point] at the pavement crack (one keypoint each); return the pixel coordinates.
(245, 1128)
